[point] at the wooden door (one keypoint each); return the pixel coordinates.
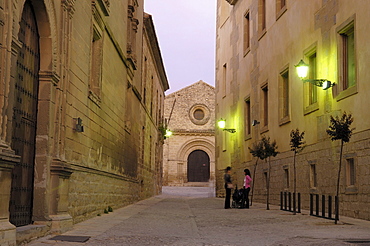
(198, 166)
(24, 119)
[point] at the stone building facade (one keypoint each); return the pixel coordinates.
(189, 158)
(79, 121)
(259, 42)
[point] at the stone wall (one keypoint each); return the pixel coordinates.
(98, 140)
(256, 80)
(90, 193)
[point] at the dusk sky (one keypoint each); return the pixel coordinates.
(186, 32)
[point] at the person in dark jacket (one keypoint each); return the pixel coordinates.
(228, 186)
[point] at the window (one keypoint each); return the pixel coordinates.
(96, 64)
(224, 79)
(145, 74)
(284, 105)
(285, 79)
(144, 98)
(261, 16)
(347, 59)
(350, 172)
(151, 95)
(143, 145)
(313, 176)
(310, 90)
(348, 55)
(247, 118)
(280, 8)
(312, 75)
(157, 109)
(286, 178)
(265, 108)
(246, 36)
(198, 114)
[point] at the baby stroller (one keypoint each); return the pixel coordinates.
(237, 198)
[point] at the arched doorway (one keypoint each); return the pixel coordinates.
(24, 118)
(198, 166)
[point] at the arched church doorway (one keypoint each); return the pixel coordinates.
(198, 166)
(24, 118)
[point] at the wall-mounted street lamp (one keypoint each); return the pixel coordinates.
(222, 123)
(168, 133)
(255, 122)
(78, 125)
(302, 71)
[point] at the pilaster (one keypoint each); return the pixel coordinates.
(7, 161)
(60, 174)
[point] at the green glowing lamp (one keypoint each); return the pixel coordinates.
(221, 123)
(168, 133)
(302, 69)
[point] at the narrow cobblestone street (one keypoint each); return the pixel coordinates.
(189, 216)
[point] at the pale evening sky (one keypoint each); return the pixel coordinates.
(186, 32)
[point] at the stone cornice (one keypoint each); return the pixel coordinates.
(206, 132)
(8, 158)
(61, 168)
(232, 2)
(76, 167)
(104, 5)
(153, 41)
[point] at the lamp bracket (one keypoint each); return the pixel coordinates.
(319, 82)
(230, 130)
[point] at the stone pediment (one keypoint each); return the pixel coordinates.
(232, 2)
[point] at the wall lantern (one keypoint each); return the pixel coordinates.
(78, 125)
(168, 133)
(222, 123)
(302, 71)
(255, 122)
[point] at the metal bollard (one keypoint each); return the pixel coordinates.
(317, 204)
(330, 204)
(323, 206)
(285, 201)
(281, 200)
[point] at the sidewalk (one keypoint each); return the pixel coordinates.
(177, 218)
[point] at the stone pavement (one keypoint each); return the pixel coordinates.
(192, 216)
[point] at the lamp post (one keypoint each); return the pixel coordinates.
(222, 123)
(302, 71)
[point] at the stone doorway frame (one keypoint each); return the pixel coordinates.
(187, 148)
(51, 177)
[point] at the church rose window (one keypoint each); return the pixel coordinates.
(199, 114)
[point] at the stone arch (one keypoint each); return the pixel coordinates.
(197, 144)
(47, 28)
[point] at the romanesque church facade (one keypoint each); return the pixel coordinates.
(188, 154)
